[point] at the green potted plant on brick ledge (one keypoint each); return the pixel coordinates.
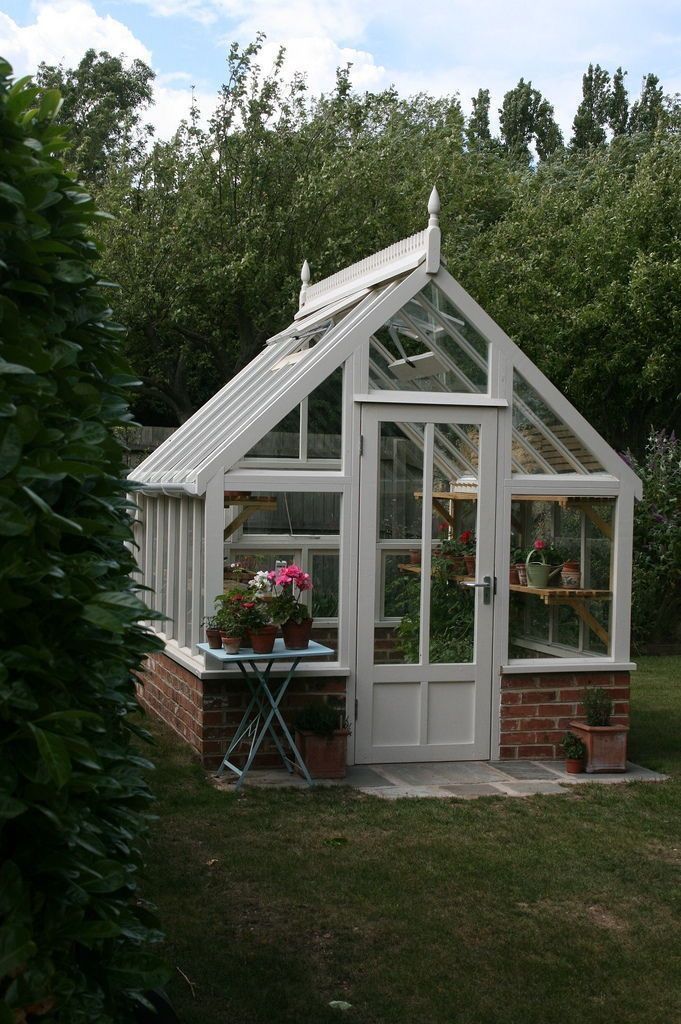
(606, 744)
(574, 751)
(321, 737)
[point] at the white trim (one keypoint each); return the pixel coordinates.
(181, 628)
(544, 666)
(477, 400)
(298, 480)
(621, 576)
(195, 664)
(213, 544)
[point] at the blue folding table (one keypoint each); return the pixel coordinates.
(266, 696)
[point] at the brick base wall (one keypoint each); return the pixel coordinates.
(537, 709)
(206, 712)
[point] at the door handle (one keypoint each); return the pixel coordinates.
(489, 586)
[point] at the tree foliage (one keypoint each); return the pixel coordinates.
(103, 99)
(73, 803)
(657, 542)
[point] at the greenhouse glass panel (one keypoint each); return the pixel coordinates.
(428, 346)
(542, 442)
(567, 613)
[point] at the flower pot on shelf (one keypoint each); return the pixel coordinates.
(415, 556)
(571, 576)
(470, 564)
(513, 577)
(606, 746)
(522, 573)
(574, 765)
(231, 644)
(324, 756)
(214, 639)
(262, 639)
(297, 634)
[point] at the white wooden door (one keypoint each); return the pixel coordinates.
(424, 633)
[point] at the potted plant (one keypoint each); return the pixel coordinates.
(285, 607)
(467, 546)
(415, 556)
(321, 737)
(574, 751)
(517, 565)
(549, 564)
(451, 550)
(606, 744)
(241, 615)
(571, 575)
(212, 628)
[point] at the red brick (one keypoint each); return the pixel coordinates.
(538, 696)
(508, 753)
(511, 698)
(534, 752)
(555, 710)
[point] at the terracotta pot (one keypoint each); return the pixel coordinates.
(213, 636)
(571, 576)
(574, 765)
(231, 644)
(522, 573)
(262, 640)
(324, 756)
(415, 556)
(470, 564)
(513, 577)
(606, 746)
(297, 634)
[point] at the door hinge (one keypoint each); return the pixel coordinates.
(356, 709)
(361, 444)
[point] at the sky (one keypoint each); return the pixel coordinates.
(438, 46)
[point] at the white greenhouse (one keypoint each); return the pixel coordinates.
(395, 443)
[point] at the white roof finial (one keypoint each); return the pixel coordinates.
(434, 209)
(305, 278)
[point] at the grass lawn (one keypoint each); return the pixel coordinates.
(537, 910)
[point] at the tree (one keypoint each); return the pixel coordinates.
(618, 115)
(212, 227)
(649, 108)
(103, 101)
(594, 110)
(526, 117)
(477, 129)
(73, 801)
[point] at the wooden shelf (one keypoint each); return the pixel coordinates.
(578, 600)
(248, 506)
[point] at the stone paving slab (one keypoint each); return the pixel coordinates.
(463, 780)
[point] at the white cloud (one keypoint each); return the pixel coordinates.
(64, 29)
(61, 32)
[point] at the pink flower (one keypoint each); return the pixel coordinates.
(539, 545)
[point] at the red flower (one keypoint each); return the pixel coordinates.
(465, 536)
(539, 545)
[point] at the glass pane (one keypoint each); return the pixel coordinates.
(561, 606)
(295, 512)
(324, 573)
(325, 417)
(428, 346)
(400, 477)
(281, 443)
(452, 603)
(542, 442)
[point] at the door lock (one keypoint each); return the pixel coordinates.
(489, 587)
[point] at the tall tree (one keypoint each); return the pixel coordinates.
(103, 102)
(593, 112)
(478, 132)
(526, 117)
(618, 113)
(649, 108)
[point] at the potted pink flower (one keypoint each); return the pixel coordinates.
(285, 607)
(547, 563)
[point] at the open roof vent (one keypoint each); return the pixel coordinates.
(426, 364)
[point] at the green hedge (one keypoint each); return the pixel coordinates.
(75, 935)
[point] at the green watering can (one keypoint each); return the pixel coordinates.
(539, 573)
